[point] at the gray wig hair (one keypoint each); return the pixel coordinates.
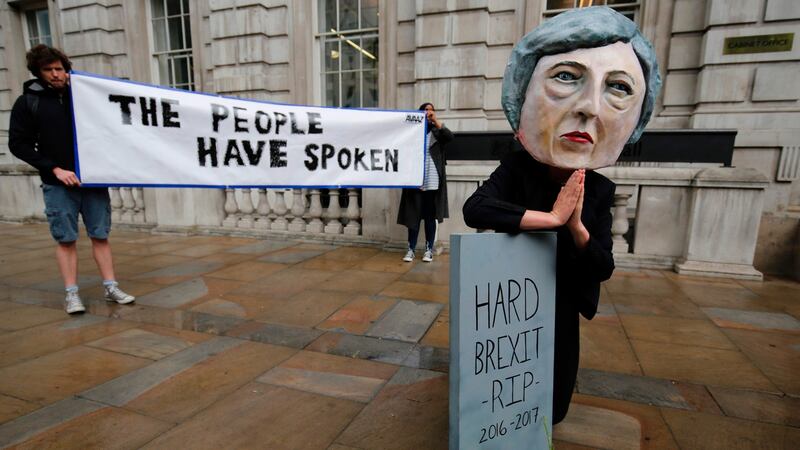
(596, 26)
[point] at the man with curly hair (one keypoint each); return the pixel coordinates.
(41, 134)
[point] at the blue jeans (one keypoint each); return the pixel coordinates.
(428, 214)
(62, 206)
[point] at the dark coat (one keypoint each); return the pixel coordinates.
(43, 140)
(410, 212)
(522, 183)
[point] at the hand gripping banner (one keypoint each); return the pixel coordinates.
(132, 134)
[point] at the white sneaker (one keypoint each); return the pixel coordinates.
(428, 256)
(73, 304)
(115, 294)
(409, 256)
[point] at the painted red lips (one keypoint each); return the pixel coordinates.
(578, 136)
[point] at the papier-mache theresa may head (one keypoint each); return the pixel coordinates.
(580, 86)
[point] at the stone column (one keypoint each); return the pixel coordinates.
(334, 213)
(262, 222)
(315, 211)
(246, 208)
(620, 224)
(280, 223)
(353, 214)
(231, 209)
(723, 224)
(138, 205)
(297, 224)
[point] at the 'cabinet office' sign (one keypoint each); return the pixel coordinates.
(765, 43)
(502, 313)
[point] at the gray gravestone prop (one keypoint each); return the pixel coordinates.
(502, 314)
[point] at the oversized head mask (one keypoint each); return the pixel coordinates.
(575, 102)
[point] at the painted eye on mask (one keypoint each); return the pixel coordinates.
(566, 76)
(621, 87)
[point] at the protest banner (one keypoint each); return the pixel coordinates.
(502, 319)
(133, 134)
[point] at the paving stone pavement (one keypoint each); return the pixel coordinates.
(251, 343)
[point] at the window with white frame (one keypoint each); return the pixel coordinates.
(628, 8)
(172, 43)
(348, 38)
(37, 28)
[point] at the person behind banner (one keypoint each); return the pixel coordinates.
(41, 134)
(575, 90)
(429, 201)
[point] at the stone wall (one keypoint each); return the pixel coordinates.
(755, 93)
(453, 54)
(94, 36)
(250, 49)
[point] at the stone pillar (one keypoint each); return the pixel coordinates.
(315, 212)
(231, 209)
(723, 224)
(262, 222)
(353, 214)
(297, 224)
(280, 223)
(247, 209)
(138, 205)
(334, 213)
(620, 224)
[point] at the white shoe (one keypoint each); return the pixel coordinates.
(73, 304)
(409, 256)
(428, 256)
(115, 294)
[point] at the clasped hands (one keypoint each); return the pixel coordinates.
(566, 210)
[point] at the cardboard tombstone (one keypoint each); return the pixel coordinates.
(580, 86)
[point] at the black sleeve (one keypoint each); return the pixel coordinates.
(443, 135)
(597, 260)
(595, 263)
(22, 137)
(487, 207)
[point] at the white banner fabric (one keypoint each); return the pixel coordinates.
(132, 134)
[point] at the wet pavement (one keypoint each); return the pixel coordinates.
(245, 343)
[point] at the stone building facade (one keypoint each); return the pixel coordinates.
(397, 54)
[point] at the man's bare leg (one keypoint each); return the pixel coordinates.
(67, 257)
(101, 250)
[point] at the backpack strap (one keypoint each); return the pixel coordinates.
(33, 103)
